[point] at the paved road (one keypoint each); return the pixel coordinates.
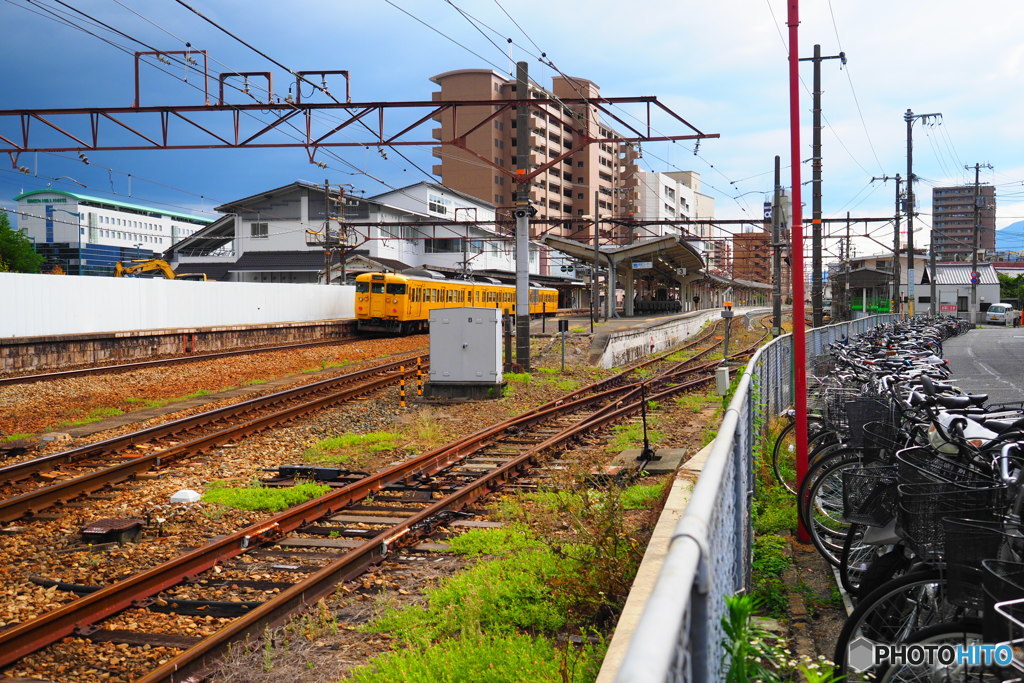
(989, 360)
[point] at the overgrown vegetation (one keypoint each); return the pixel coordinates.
(561, 565)
(261, 498)
(753, 653)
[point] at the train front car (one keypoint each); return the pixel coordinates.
(381, 303)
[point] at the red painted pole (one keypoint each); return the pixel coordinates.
(796, 253)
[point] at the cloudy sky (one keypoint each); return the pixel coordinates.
(721, 65)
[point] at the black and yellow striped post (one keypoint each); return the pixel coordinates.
(401, 387)
(419, 376)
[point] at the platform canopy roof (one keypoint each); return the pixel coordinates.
(668, 255)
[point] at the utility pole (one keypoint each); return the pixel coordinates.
(327, 232)
(895, 243)
(974, 240)
(523, 212)
(816, 285)
(909, 117)
(595, 293)
(777, 245)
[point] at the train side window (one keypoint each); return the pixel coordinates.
(362, 287)
(396, 288)
(377, 288)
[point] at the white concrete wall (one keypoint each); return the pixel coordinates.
(34, 305)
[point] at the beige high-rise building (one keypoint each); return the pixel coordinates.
(567, 189)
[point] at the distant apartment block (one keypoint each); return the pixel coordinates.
(953, 216)
(751, 256)
(566, 190)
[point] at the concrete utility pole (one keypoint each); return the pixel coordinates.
(978, 203)
(816, 278)
(895, 243)
(327, 232)
(777, 244)
(523, 211)
(909, 117)
(595, 291)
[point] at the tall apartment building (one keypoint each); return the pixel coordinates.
(565, 190)
(953, 218)
(751, 258)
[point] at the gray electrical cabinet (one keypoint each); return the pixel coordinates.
(465, 346)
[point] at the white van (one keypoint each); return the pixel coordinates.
(1001, 313)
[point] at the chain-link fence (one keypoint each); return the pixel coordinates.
(680, 636)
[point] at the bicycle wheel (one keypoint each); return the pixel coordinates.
(784, 451)
(966, 632)
(823, 505)
(892, 612)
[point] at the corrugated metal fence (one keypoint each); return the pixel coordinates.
(37, 305)
(679, 637)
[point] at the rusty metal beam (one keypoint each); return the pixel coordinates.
(17, 135)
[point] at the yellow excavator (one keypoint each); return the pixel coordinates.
(147, 265)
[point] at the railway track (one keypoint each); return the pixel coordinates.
(307, 550)
(30, 486)
(142, 365)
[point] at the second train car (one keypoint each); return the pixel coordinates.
(396, 303)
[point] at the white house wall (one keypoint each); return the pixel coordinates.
(35, 305)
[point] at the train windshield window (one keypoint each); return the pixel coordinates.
(378, 288)
(396, 289)
(362, 287)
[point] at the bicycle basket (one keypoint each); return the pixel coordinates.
(1004, 605)
(922, 465)
(859, 413)
(967, 543)
(869, 495)
(835, 405)
(883, 437)
(922, 507)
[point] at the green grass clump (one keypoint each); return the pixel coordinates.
(547, 371)
(642, 496)
(482, 659)
(94, 415)
(348, 447)
(632, 435)
(567, 385)
(16, 436)
(259, 498)
(696, 402)
(251, 382)
(498, 541)
(516, 377)
(500, 597)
